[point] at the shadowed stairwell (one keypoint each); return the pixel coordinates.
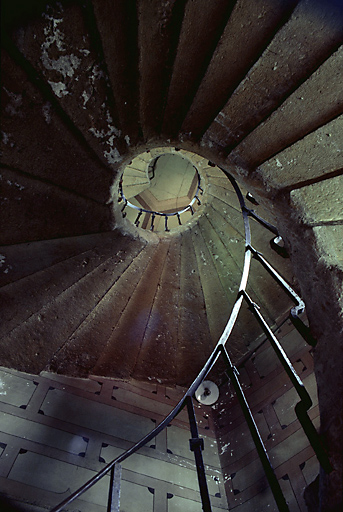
(156, 103)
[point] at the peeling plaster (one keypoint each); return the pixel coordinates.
(96, 74)
(46, 109)
(16, 101)
(224, 448)
(59, 88)
(2, 263)
(6, 138)
(66, 65)
(86, 97)
(14, 183)
(112, 155)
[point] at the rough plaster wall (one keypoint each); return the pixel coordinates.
(314, 268)
(57, 432)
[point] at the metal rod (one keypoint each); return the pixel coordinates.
(197, 381)
(261, 450)
(303, 330)
(196, 446)
(166, 223)
(137, 218)
(306, 403)
(262, 221)
(113, 504)
(296, 381)
(300, 305)
(152, 222)
(125, 204)
(251, 198)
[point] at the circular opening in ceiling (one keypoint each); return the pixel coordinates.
(160, 190)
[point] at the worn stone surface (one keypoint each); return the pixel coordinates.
(36, 141)
(312, 33)
(314, 156)
(202, 25)
(247, 33)
(297, 116)
(321, 202)
(32, 209)
(329, 240)
(58, 44)
(159, 24)
(160, 342)
(43, 286)
(117, 25)
(321, 280)
(22, 260)
(56, 58)
(81, 351)
(193, 322)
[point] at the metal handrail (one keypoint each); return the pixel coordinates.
(299, 307)
(197, 381)
(177, 214)
(220, 350)
(305, 403)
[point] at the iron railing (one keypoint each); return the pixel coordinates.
(189, 208)
(196, 443)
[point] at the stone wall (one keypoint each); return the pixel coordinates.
(56, 432)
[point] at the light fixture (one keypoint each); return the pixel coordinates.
(207, 393)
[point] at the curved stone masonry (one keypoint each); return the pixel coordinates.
(253, 86)
(161, 192)
(164, 195)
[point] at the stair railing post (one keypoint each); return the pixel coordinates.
(113, 504)
(305, 403)
(261, 450)
(299, 308)
(196, 445)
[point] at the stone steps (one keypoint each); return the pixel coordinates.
(159, 350)
(99, 330)
(43, 287)
(194, 337)
(155, 86)
(133, 186)
(254, 87)
(101, 299)
(42, 331)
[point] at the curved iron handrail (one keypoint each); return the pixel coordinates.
(301, 408)
(200, 377)
(177, 214)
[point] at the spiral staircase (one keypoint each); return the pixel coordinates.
(88, 87)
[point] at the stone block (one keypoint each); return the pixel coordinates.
(314, 156)
(320, 202)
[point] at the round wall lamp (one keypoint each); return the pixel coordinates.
(207, 393)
